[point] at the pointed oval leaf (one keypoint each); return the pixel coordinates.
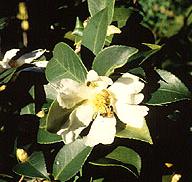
(125, 131)
(70, 159)
(97, 5)
(95, 32)
(171, 90)
(56, 117)
(127, 156)
(122, 157)
(111, 58)
(33, 167)
(65, 63)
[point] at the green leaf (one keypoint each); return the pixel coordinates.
(34, 167)
(171, 90)
(111, 58)
(152, 46)
(70, 159)
(121, 14)
(122, 157)
(142, 134)
(127, 156)
(30, 108)
(95, 32)
(65, 63)
(6, 75)
(51, 92)
(97, 5)
(57, 116)
(45, 137)
(78, 28)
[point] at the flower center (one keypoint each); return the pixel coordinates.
(102, 103)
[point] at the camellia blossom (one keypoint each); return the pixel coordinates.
(97, 103)
(7, 61)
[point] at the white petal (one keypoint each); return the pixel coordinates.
(101, 82)
(71, 129)
(102, 131)
(128, 98)
(125, 85)
(29, 57)
(132, 115)
(69, 93)
(92, 76)
(85, 113)
(9, 55)
(41, 64)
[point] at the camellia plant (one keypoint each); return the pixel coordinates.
(91, 114)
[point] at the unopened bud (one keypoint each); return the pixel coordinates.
(22, 155)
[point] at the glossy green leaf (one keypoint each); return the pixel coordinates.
(125, 131)
(45, 137)
(70, 159)
(171, 90)
(65, 63)
(34, 167)
(56, 117)
(111, 58)
(122, 157)
(95, 32)
(97, 5)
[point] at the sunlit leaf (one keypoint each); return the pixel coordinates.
(171, 90)
(97, 5)
(111, 58)
(152, 46)
(95, 32)
(33, 167)
(70, 159)
(65, 63)
(126, 131)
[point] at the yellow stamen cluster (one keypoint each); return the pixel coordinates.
(102, 103)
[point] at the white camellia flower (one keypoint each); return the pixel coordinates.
(7, 61)
(97, 102)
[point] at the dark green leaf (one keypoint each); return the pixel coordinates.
(97, 5)
(45, 137)
(65, 64)
(111, 58)
(121, 14)
(95, 32)
(70, 159)
(30, 108)
(34, 167)
(171, 90)
(122, 157)
(57, 116)
(125, 131)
